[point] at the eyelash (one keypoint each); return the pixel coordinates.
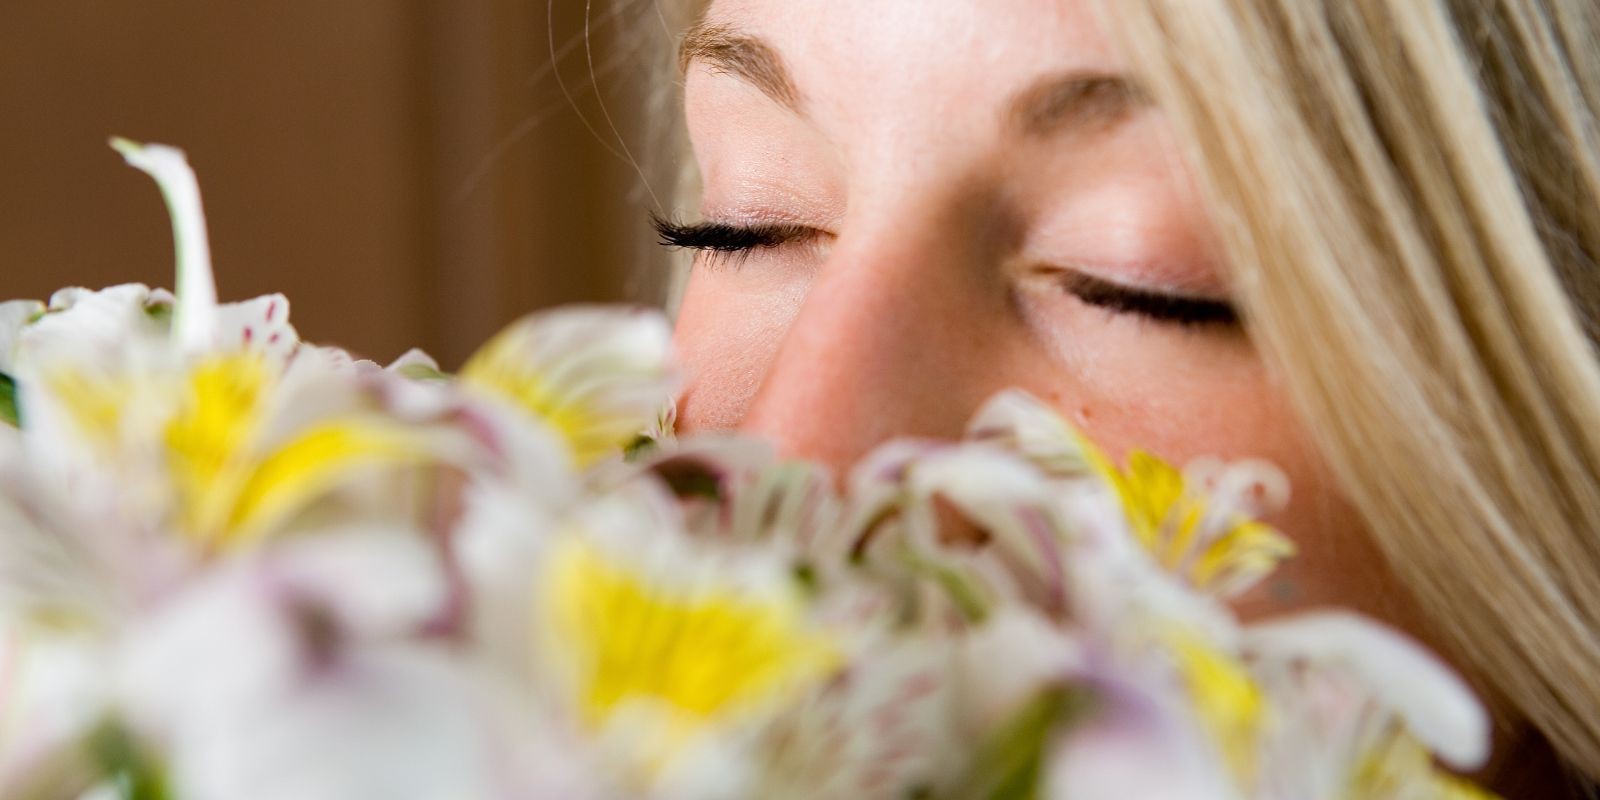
(729, 245)
(725, 245)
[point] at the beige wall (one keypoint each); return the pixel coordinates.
(341, 146)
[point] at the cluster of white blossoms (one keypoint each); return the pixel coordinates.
(236, 566)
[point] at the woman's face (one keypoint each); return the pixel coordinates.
(952, 197)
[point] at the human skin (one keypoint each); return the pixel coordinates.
(936, 274)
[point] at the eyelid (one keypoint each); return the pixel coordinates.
(737, 241)
(727, 243)
(726, 237)
(1151, 303)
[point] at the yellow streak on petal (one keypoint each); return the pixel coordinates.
(1248, 547)
(703, 652)
(210, 439)
(94, 404)
(312, 463)
(502, 367)
(1226, 697)
(1398, 765)
(1165, 518)
(1149, 488)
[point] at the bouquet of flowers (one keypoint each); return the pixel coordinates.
(234, 565)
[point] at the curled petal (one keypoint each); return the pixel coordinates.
(599, 376)
(1017, 420)
(1435, 704)
(195, 321)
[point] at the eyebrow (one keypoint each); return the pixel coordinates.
(1071, 101)
(1077, 101)
(728, 51)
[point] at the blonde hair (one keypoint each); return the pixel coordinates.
(1408, 192)
(1409, 195)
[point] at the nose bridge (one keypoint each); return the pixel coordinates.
(890, 341)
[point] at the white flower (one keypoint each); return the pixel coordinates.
(599, 377)
(307, 673)
(1139, 742)
(1435, 704)
(667, 656)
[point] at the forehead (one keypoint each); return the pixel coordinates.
(891, 45)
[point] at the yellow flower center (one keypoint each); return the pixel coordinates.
(231, 489)
(704, 652)
(210, 440)
(1166, 518)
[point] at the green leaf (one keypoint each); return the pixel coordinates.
(9, 414)
(1010, 763)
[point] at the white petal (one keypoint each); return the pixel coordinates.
(415, 359)
(394, 723)
(1017, 420)
(14, 315)
(299, 675)
(615, 364)
(1008, 661)
(52, 691)
(257, 326)
(379, 581)
(1435, 704)
(1125, 754)
(195, 322)
(111, 326)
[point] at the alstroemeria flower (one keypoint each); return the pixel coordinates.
(1205, 529)
(599, 377)
(1360, 707)
(1055, 713)
(211, 420)
(698, 648)
(667, 654)
(307, 673)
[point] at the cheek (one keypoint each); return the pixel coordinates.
(728, 330)
(1231, 410)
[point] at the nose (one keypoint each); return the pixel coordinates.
(904, 331)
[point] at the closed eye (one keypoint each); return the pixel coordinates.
(1155, 305)
(729, 244)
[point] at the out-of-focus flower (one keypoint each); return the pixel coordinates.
(1209, 533)
(667, 655)
(599, 376)
(306, 675)
(209, 419)
(702, 650)
(1355, 705)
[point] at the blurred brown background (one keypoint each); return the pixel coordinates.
(408, 172)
